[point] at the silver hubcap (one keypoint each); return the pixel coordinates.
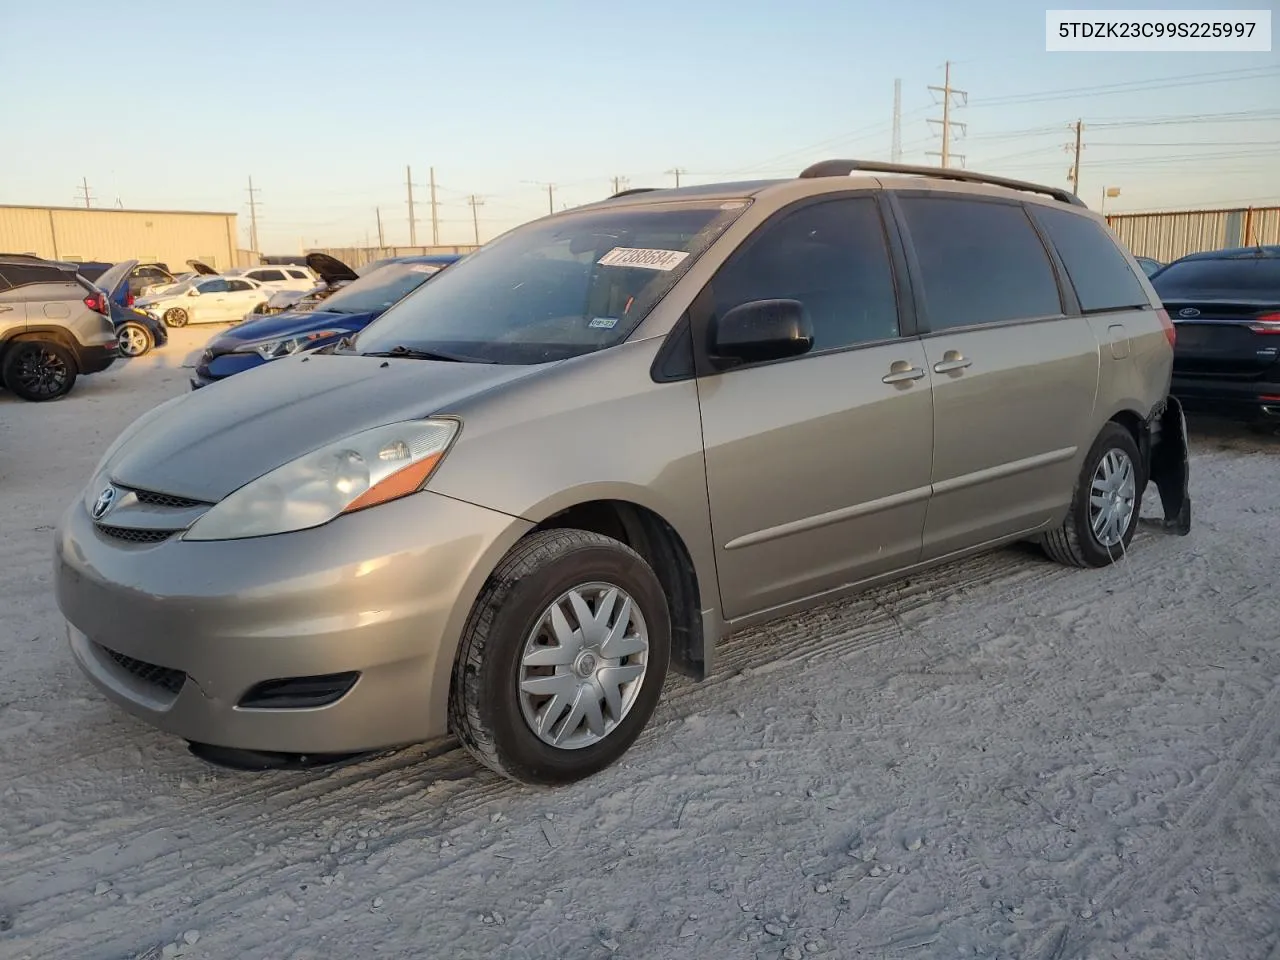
(132, 341)
(583, 665)
(1112, 498)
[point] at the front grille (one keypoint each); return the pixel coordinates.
(130, 535)
(167, 500)
(170, 681)
(299, 693)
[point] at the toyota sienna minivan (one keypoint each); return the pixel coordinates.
(584, 454)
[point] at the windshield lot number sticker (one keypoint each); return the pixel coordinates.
(604, 323)
(645, 259)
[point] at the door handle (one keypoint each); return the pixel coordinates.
(951, 361)
(902, 372)
(6, 309)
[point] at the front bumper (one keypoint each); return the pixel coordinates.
(1237, 399)
(195, 626)
(213, 368)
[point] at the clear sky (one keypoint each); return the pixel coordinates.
(170, 105)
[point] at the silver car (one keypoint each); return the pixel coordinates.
(589, 451)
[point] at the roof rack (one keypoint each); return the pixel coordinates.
(627, 193)
(842, 168)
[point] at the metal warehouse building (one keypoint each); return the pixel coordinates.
(1167, 236)
(112, 235)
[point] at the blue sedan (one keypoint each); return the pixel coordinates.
(255, 342)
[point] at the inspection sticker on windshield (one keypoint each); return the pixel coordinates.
(646, 259)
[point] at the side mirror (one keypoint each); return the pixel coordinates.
(193, 292)
(760, 330)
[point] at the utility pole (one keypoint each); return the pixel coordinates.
(619, 184)
(378, 213)
(413, 223)
(947, 123)
(253, 216)
(435, 211)
(895, 146)
(84, 192)
(1074, 174)
(675, 172)
(476, 203)
(551, 195)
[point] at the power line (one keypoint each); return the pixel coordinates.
(1132, 86)
(947, 123)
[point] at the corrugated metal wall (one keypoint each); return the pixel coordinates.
(1168, 236)
(74, 233)
(359, 256)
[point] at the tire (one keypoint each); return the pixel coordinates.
(135, 340)
(489, 709)
(175, 317)
(39, 370)
(1075, 543)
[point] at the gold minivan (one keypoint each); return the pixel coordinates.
(591, 449)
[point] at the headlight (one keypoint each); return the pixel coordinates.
(363, 470)
(283, 346)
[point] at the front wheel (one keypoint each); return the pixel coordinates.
(175, 317)
(1105, 505)
(135, 340)
(39, 370)
(562, 659)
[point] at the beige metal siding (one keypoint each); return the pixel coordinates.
(359, 256)
(1168, 236)
(172, 237)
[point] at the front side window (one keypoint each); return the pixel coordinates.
(832, 257)
(980, 262)
(554, 289)
(214, 286)
(1101, 276)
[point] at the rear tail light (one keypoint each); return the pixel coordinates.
(97, 302)
(1266, 323)
(1170, 332)
(129, 298)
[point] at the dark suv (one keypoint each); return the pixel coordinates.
(54, 326)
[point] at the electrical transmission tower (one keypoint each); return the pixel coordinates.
(413, 221)
(253, 216)
(476, 203)
(948, 93)
(620, 184)
(676, 172)
(1074, 148)
(84, 192)
(895, 148)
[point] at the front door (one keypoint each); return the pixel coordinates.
(818, 466)
(211, 305)
(1014, 379)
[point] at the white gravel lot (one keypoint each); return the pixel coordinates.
(1003, 758)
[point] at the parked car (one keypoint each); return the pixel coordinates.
(602, 442)
(277, 279)
(91, 270)
(54, 327)
(333, 274)
(1226, 307)
(204, 300)
(146, 284)
(138, 332)
(260, 339)
(1149, 266)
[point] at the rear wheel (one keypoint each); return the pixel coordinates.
(175, 317)
(39, 370)
(135, 340)
(562, 659)
(1105, 506)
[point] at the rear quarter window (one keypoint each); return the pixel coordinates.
(1099, 272)
(26, 274)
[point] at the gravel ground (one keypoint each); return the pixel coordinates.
(1001, 758)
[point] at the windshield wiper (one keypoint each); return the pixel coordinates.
(409, 353)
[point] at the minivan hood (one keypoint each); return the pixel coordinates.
(217, 439)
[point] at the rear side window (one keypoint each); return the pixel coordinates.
(980, 262)
(22, 274)
(267, 276)
(297, 274)
(1102, 277)
(238, 286)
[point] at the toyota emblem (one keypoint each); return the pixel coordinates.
(105, 499)
(1188, 312)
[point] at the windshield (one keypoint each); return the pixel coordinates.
(113, 277)
(180, 287)
(1238, 278)
(376, 291)
(556, 288)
